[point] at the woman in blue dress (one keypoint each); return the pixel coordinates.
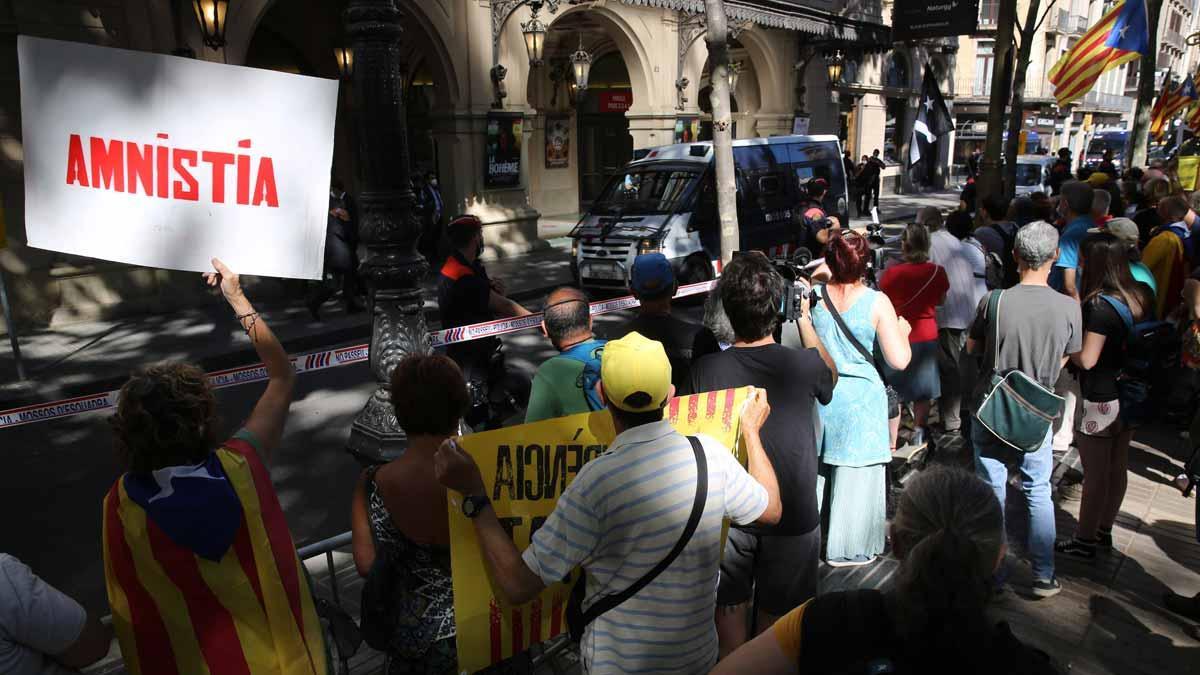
(855, 449)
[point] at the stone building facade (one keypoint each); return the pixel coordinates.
(648, 87)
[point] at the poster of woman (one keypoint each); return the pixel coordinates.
(558, 142)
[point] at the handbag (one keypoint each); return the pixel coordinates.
(1017, 409)
(893, 398)
(578, 620)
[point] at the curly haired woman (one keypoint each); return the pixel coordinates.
(198, 559)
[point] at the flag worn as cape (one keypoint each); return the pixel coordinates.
(202, 573)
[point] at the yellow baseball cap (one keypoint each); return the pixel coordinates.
(1098, 179)
(635, 374)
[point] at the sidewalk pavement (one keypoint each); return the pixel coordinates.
(90, 357)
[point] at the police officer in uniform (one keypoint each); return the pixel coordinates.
(466, 295)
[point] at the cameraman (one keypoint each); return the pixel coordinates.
(777, 565)
(814, 223)
(466, 295)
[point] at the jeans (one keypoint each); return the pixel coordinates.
(992, 461)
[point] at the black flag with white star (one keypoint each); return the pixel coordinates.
(933, 120)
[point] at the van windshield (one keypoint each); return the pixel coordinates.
(646, 190)
(1099, 145)
(1029, 174)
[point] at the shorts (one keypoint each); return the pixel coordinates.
(780, 572)
(1099, 419)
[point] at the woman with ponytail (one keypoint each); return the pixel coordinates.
(949, 536)
(850, 319)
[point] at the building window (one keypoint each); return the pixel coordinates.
(984, 59)
(1131, 75)
(897, 71)
(989, 12)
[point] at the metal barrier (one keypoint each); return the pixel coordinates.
(326, 547)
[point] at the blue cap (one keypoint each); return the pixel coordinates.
(652, 275)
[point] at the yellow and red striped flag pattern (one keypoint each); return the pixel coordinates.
(1118, 38)
(1184, 95)
(177, 612)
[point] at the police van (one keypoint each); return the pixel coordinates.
(665, 200)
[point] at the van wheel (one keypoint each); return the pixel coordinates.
(695, 269)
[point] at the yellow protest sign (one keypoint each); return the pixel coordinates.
(1187, 171)
(527, 467)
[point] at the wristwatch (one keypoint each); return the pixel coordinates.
(474, 505)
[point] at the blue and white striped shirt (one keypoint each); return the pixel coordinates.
(618, 519)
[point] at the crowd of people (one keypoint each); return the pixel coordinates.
(1057, 289)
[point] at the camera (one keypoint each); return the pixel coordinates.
(797, 290)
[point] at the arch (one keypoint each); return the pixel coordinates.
(628, 43)
(772, 97)
(245, 18)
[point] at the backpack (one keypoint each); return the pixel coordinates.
(1146, 345)
(1000, 270)
(588, 353)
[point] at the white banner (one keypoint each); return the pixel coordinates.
(168, 162)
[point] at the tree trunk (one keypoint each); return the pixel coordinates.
(1016, 110)
(989, 179)
(1146, 91)
(718, 60)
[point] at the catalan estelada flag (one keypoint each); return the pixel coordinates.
(202, 573)
(1118, 38)
(1157, 118)
(1193, 118)
(1184, 96)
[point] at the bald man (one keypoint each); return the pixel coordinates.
(566, 383)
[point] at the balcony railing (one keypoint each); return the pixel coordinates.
(1079, 24)
(1173, 38)
(1113, 102)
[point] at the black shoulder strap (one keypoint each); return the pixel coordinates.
(845, 329)
(609, 602)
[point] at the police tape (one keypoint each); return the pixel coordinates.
(319, 360)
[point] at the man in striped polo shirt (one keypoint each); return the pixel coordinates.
(622, 515)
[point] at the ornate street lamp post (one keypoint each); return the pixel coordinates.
(387, 224)
(581, 67)
(211, 15)
(345, 61)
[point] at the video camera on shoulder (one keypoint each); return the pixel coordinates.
(798, 288)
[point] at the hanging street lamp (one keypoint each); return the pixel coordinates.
(344, 56)
(535, 36)
(833, 67)
(735, 72)
(581, 66)
(211, 15)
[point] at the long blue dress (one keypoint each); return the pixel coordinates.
(855, 449)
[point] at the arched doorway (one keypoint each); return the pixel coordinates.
(603, 130)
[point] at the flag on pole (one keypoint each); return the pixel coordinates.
(933, 120)
(1160, 104)
(1183, 96)
(1118, 38)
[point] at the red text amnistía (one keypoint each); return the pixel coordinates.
(158, 170)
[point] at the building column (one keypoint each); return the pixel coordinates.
(509, 222)
(773, 124)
